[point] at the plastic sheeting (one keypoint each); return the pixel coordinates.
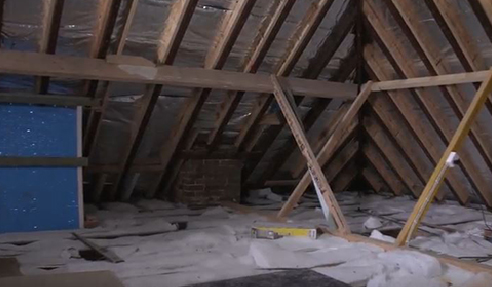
(22, 28)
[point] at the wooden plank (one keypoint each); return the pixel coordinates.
(450, 12)
(16, 62)
(231, 25)
(15, 161)
(107, 12)
(374, 179)
(261, 45)
(78, 279)
(440, 172)
(329, 148)
(431, 81)
(405, 14)
(342, 158)
(406, 137)
(314, 168)
(2, 3)
(425, 102)
(417, 121)
(380, 139)
(345, 177)
(301, 37)
(99, 186)
(108, 254)
(128, 15)
(383, 167)
(51, 100)
(92, 128)
(51, 18)
(483, 12)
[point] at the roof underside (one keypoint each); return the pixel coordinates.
(139, 138)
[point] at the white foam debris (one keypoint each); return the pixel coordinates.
(376, 234)
(413, 262)
(217, 245)
(264, 193)
(373, 223)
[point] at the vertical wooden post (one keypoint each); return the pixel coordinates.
(329, 148)
(437, 177)
(313, 165)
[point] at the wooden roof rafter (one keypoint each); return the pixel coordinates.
(51, 15)
(393, 156)
(429, 103)
(299, 41)
(423, 130)
(324, 54)
(406, 14)
(261, 45)
(227, 34)
(174, 30)
(430, 53)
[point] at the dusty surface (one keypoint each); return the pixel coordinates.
(217, 244)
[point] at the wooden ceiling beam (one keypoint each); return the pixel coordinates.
(261, 45)
(173, 33)
(51, 19)
(231, 26)
(419, 123)
(50, 100)
(298, 42)
(405, 13)
(20, 63)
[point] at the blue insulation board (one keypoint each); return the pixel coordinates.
(38, 198)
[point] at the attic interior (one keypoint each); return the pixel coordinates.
(246, 143)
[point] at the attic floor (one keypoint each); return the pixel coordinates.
(217, 244)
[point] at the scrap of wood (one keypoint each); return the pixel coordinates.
(108, 254)
(42, 161)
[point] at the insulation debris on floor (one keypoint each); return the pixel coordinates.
(165, 244)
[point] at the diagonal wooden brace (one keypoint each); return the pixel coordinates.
(328, 149)
(439, 174)
(313, 166)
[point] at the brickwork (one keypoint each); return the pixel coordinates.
(208, 181)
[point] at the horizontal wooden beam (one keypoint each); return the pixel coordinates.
(22, 63)
(421, 82)
(14, 161)
(50, 100)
